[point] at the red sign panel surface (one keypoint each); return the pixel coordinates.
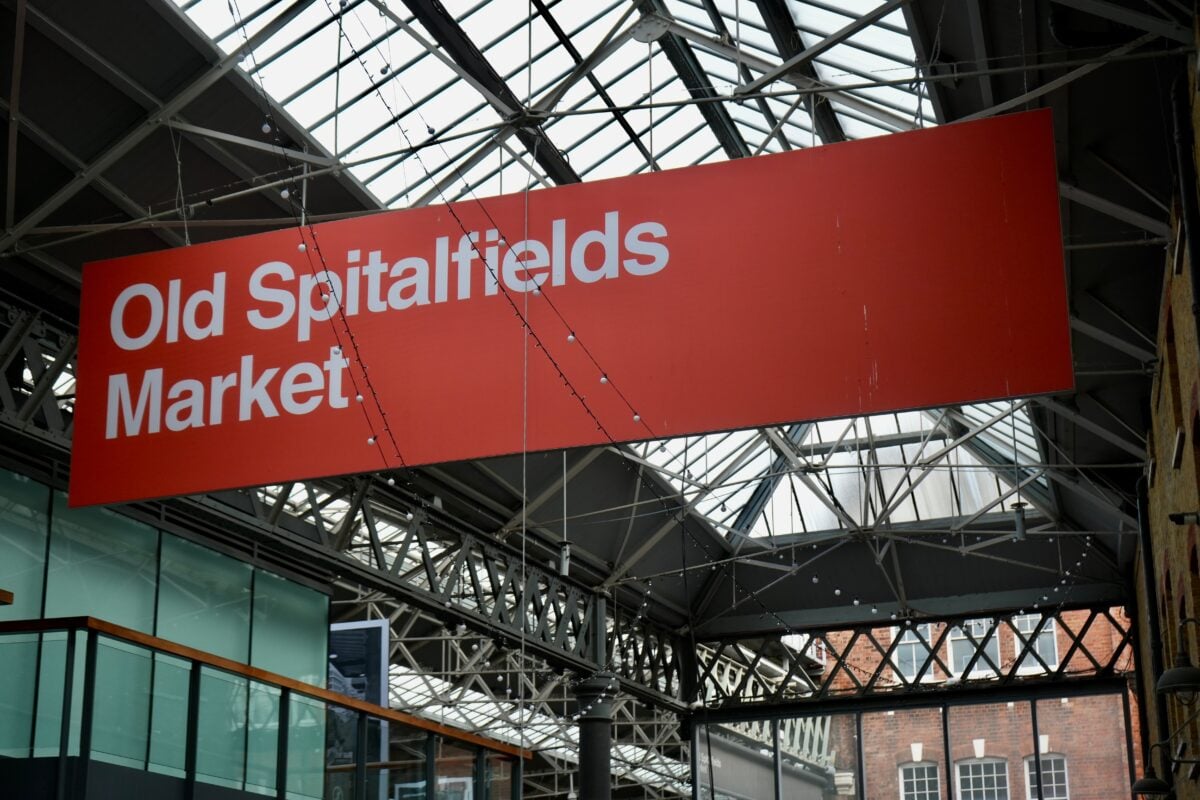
(915, 270)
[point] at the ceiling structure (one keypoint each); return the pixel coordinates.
(155, 125)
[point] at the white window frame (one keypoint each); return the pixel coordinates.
(937, 779)
(1029, 775)
(971, 762)
(1029, 664)
(958, 638)
(925, 631)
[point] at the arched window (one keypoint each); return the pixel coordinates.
(982, 779)
(919, 781)
(1054, 777)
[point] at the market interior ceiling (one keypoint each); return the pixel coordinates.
(139, 126)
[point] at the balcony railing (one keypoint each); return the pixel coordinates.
(82, 690)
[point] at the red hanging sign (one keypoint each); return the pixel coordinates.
(913, 270)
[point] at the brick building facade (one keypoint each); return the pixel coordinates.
(1082, 739)
(1173, 500)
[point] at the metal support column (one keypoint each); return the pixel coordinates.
(594, 697)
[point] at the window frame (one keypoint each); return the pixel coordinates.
(937, 779)
(920, 631)
(1030, 773)
(1049, 629)
(971, 762)
(957, 637)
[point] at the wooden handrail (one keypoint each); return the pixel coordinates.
(260, 675)
(6, 597)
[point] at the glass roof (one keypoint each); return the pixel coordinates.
(370, 83)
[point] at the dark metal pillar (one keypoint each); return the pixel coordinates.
(594, 697)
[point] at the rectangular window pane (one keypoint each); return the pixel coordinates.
(22, 546)
(168, 741)
(18, 654)
(306, 749)
(291, 629)
(262, 738)
(121, 708)
(221, 729)
(204, 599)
(101, 565)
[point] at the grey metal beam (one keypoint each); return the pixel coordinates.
(14, 99)
(806, 56)
(68, 159)
(1057, 83)
(253, 144)
(1132, 18)
(1116, 342)
(695, 79)
(1135, 449)
(980, 50)
(151, 123)
(1114, 210)
(788, 43)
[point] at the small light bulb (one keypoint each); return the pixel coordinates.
(384, 69)
(302, 247)
(837, 592)
(604, 379)
(570, 338)
(358, 398)
(856, 601)
(266, 127)
(637, 417)
(370, 440)
(284, 193)
(391, 481)
(815, 579)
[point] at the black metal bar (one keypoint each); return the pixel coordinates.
(87, 708)
(434, 17)
(946, 752)
(1037, 747)
(517, 789)
(776, 759)
(985, 694)
(1155, 645)
(430, 767)
(787, 40)
(64, 733)
(1128, 736)
(695, 80)
(360, 758)
(193, 731)
(860, 758)
(281, 745)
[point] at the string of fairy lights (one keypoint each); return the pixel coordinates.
(344, 334)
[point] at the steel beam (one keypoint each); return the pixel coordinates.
(798, 61)
(434, 17)
(695, 80)
(789, 44)
(151, 123)
(1115, 210)
(1132, 18)
(14, 100)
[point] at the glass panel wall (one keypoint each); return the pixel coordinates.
(291, 629)
(101, 565)
(455, 776)
(204, 599)
(904, 754)
(23, 524)
(1069, 771)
